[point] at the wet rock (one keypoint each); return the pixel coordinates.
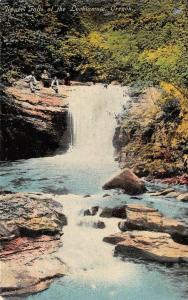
(127, 181)
(94, 210)
(152, 246)
(163, 192)
(99, 225)
(87, 196)
(183, 197)
(106, 213)
(140, 217)
(106, 195)
(172, 195)
(91, 212)
(116, 212)
(87, 212)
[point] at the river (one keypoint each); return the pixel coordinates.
(94, 273)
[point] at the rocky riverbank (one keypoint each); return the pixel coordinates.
(145, 233)
(151, 137)
(30, 230)
(32, 125)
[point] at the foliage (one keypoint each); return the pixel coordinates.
(140, 41)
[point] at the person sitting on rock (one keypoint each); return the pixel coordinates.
(32, 82)
(45, 79)
(55, 85)
(67, 79)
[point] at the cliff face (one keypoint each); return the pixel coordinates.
(151, 138)
(31, 124)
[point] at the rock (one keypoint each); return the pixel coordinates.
(183, 197)
(30, 270)
(99, 225)
(115, 82)
(182, 179)
(94, 210)
(87, 212)
(24, 214)
(29, 120)
(163, 192)
(127, 181)
(31, 228)
(152, 246)
(91, 212)
(106, 195)
(106, 213)
(172, 195)
(146, 151)
(116, 212)
(87, 196)
(140, 217)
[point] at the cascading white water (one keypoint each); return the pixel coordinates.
(93, 110)
(92, 114)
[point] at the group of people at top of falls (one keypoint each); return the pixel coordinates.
(47, 81)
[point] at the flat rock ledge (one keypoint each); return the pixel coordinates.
(30, 230)
(151, 246)
(141, 217)
(172, 193)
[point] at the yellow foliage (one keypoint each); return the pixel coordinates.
(96, 39)
(170, 53)
(173, 91)
(182, 129)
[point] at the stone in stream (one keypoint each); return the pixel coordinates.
(91, 212)
(127, 181)
(140, 217)
(152, 246)
(116, 212)
(163, 192)
(183, 197)
(172, 195)
(106, 195)
(31, 226)
(99, 225)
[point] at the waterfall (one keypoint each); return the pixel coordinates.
(92, 112)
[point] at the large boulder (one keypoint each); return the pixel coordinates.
(127, 181)
(153, 246)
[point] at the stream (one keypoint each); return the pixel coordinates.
(76, 177)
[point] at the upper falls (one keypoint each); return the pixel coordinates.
(93, 113)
